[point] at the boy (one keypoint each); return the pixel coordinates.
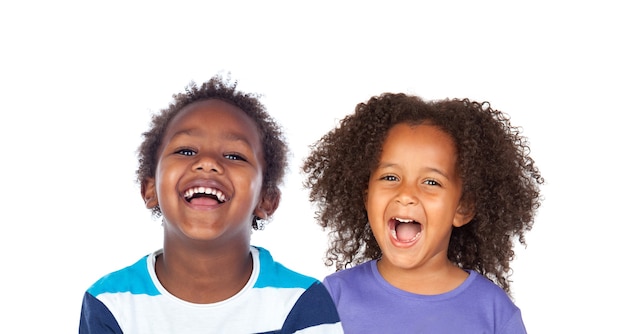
(210, 166)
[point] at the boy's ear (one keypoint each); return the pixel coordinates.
(464, 214)
(267, 205)
(148, 193)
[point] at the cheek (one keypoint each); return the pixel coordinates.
(250, 181)
(375, 207)
(165, 178)
(376, 198)
(251, 177)
(445, 210)
(368, 203)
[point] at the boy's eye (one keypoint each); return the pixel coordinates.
(233, 156)
(186, 152)
(431, 183)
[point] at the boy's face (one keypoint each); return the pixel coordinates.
(413, 197)
(208, 181)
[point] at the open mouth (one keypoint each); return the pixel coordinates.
(205, 196)
(405, 230)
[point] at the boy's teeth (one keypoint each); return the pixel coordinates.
(202, 190)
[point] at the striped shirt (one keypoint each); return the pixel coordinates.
(275, 300)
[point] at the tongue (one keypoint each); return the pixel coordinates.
(203, 201)
(407, 231)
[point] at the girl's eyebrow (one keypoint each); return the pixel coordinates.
(383, 165)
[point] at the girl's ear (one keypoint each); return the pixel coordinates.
(464, 214)
(148, 192)
(268, 204)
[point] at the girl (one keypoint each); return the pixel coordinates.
(423, 201)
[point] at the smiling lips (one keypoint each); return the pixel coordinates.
(204, 196)
(405, 230)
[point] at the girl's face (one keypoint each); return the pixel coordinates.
(413, 198)
(208, 181)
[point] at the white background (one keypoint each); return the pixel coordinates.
(79, 81)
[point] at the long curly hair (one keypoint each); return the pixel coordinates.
(275, 149)
(500, 180)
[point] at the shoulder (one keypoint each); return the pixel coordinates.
(134, 278)
(481, 285)
(315, 311)
(274, 274)
(312, 308)
(358, 271)
(486, 293)
(487, 297)
(359, 279)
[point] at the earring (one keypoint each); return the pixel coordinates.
(259, 223)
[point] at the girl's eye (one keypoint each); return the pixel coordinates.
(186, 152)
(389, 178)
(233, 156)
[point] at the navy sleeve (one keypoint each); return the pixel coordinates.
(95, 318)
(314, 307)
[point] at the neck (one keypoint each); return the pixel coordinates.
(201, 275)
(424, 280)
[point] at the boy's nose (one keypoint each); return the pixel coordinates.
(207, 163)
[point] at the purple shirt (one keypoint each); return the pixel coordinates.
(369, 304)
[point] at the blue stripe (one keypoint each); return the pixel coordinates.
(95, 317)
(315, 307)
(134, 279)
(274, 274)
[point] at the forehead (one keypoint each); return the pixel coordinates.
(420, 143)
(423, 133)
(212, 112)
(214, 117)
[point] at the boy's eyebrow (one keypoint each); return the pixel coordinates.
(197, 133)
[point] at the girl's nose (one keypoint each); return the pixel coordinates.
(407, 195)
